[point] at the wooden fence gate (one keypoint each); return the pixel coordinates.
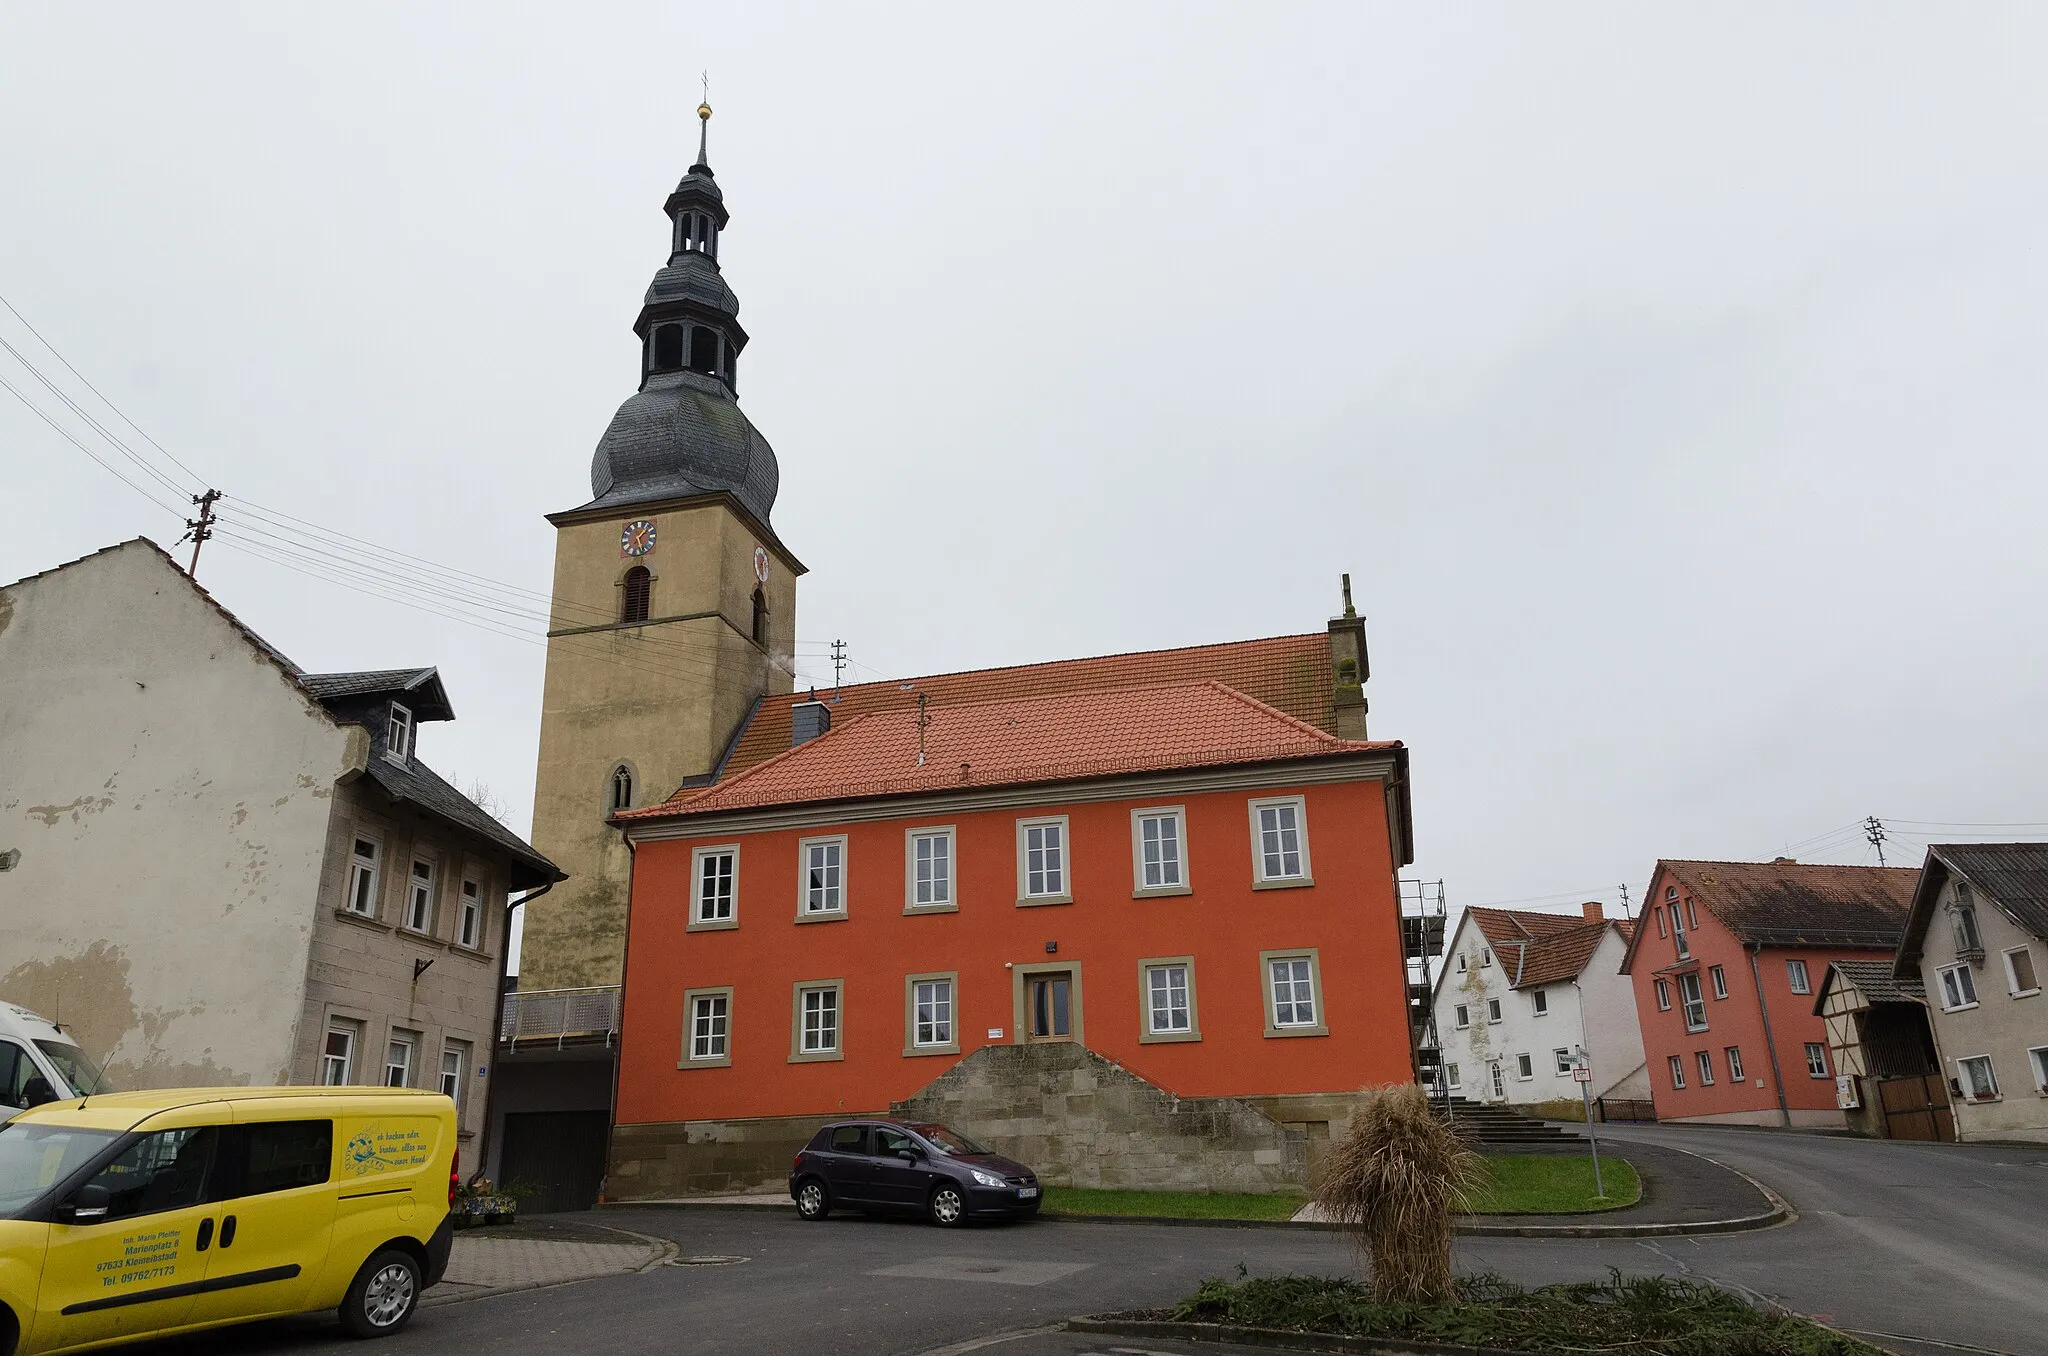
(1917, 1108)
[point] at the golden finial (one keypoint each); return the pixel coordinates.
(704, 122)
(704, 108)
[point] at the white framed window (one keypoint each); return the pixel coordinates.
(469, 922)
(1817, 1060)
(399, 1053)
(816, 1020)
(2020, 979)
(1461, 962)
(1280, 841)
(932, 1015)
(1695, 1005)
(454, 1060)
(419, 896)
(1540, 1001)
(338, 1055)
(1692, 915)
(2037, 1061)
(1564, 1062)
(1042, 861)
(1293, 993)
(823, 888)
(361, 898)
(1795, 974)
(1678, 938)
(1958, 988)
(1486, 958)
(1963, 919)
(1159, 851)
(1451, 1071)
(398, 732)
(1462, 1016)
(1525, 1068)
(1677, 1072)
(1734, 1053)
(1493, 1012)
(1720, 978)
(928, 870)
(714, 887)
(1979, 1079)
(1170, 998)
(1661, 930)
(1663, 996)
(707, 1032)
(1705, 1059)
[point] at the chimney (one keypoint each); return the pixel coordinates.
(808, 720)
(1348, 670)
(1595, 911)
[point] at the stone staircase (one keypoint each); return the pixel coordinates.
(1490, 1126)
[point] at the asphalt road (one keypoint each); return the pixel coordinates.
(1930, 1242)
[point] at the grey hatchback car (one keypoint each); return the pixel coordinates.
(911, 1168)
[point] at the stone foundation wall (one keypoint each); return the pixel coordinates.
(1078, 1119)
(706, 1158)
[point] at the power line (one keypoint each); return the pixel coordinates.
(104, 465)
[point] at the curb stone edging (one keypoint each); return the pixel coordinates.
(1278, 1339)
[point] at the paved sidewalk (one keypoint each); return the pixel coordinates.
(494, 1264)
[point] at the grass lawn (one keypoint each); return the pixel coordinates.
(1551, 1184)
(1169, 1204)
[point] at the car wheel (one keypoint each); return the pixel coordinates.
(382, 1297)
(812, 1200)
(948, 1206)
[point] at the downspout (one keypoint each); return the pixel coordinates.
(483, 1149)
(611, 1114)
(1756, 976)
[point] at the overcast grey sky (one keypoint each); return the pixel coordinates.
(1669, 382)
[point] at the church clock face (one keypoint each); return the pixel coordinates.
(761, 564)
(636, 538)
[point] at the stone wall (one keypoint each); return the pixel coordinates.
(664, 1161)
(1078, 1119)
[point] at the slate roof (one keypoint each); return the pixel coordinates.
(1289, 673)
(2013, 876)
(1874, 980)
(417, 784)
(429, 698)
(1542, 948)
(1787, 903)
(1066, 737)
(683, 434)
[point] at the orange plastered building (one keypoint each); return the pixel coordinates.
(1173, 887)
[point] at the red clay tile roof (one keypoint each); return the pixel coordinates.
(1542, 948)
(1290, 673)
(1020, 741)
(1787, 903)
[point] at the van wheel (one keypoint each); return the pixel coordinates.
(812, 1200)
(381, 1298)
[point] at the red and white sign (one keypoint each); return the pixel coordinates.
(1581, 1074)
(761, 564)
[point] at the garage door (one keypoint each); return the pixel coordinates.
(557, 1155)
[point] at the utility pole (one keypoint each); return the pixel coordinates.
(838, 665)
(923, 721)
(200, 528)
(1873, 829)
(1624, 901)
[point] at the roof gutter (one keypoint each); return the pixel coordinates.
(1756, 976)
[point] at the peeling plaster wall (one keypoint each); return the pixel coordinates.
(169, 790)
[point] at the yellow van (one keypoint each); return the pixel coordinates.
(136, 1214)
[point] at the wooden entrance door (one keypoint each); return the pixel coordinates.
(1500, 1087)
(1917, 1108)
(1049, 1006)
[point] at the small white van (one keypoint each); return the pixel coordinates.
(39, 1063)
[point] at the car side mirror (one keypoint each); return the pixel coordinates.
(37, 1091)
(87, 1205)
(910, 1155)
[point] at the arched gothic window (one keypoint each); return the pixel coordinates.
(760, 618)
(639, 586)
(622, 787)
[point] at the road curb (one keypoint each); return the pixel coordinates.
(1277, 1339)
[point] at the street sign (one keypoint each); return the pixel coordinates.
(1581, 1074)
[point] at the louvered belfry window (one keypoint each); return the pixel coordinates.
(639, 586)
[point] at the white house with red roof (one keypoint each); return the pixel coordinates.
(1524, 997)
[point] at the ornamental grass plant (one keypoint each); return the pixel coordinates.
(1393, 1183)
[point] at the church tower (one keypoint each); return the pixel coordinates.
(674, 602)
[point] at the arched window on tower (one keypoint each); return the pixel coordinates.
(622, 788)
(760, 618)
(704, 350)
(668, 348)
(639, 585)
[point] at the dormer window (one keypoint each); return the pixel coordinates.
(1963, 917)
(398, 731)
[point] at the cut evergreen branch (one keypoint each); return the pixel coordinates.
(1393, 1183)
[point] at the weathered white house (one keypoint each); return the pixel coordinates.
(1521, 993)
(224, 870)
(1977, 940)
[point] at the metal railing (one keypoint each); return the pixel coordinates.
(561, 1015)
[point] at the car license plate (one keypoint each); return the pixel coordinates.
(1026, 1193)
